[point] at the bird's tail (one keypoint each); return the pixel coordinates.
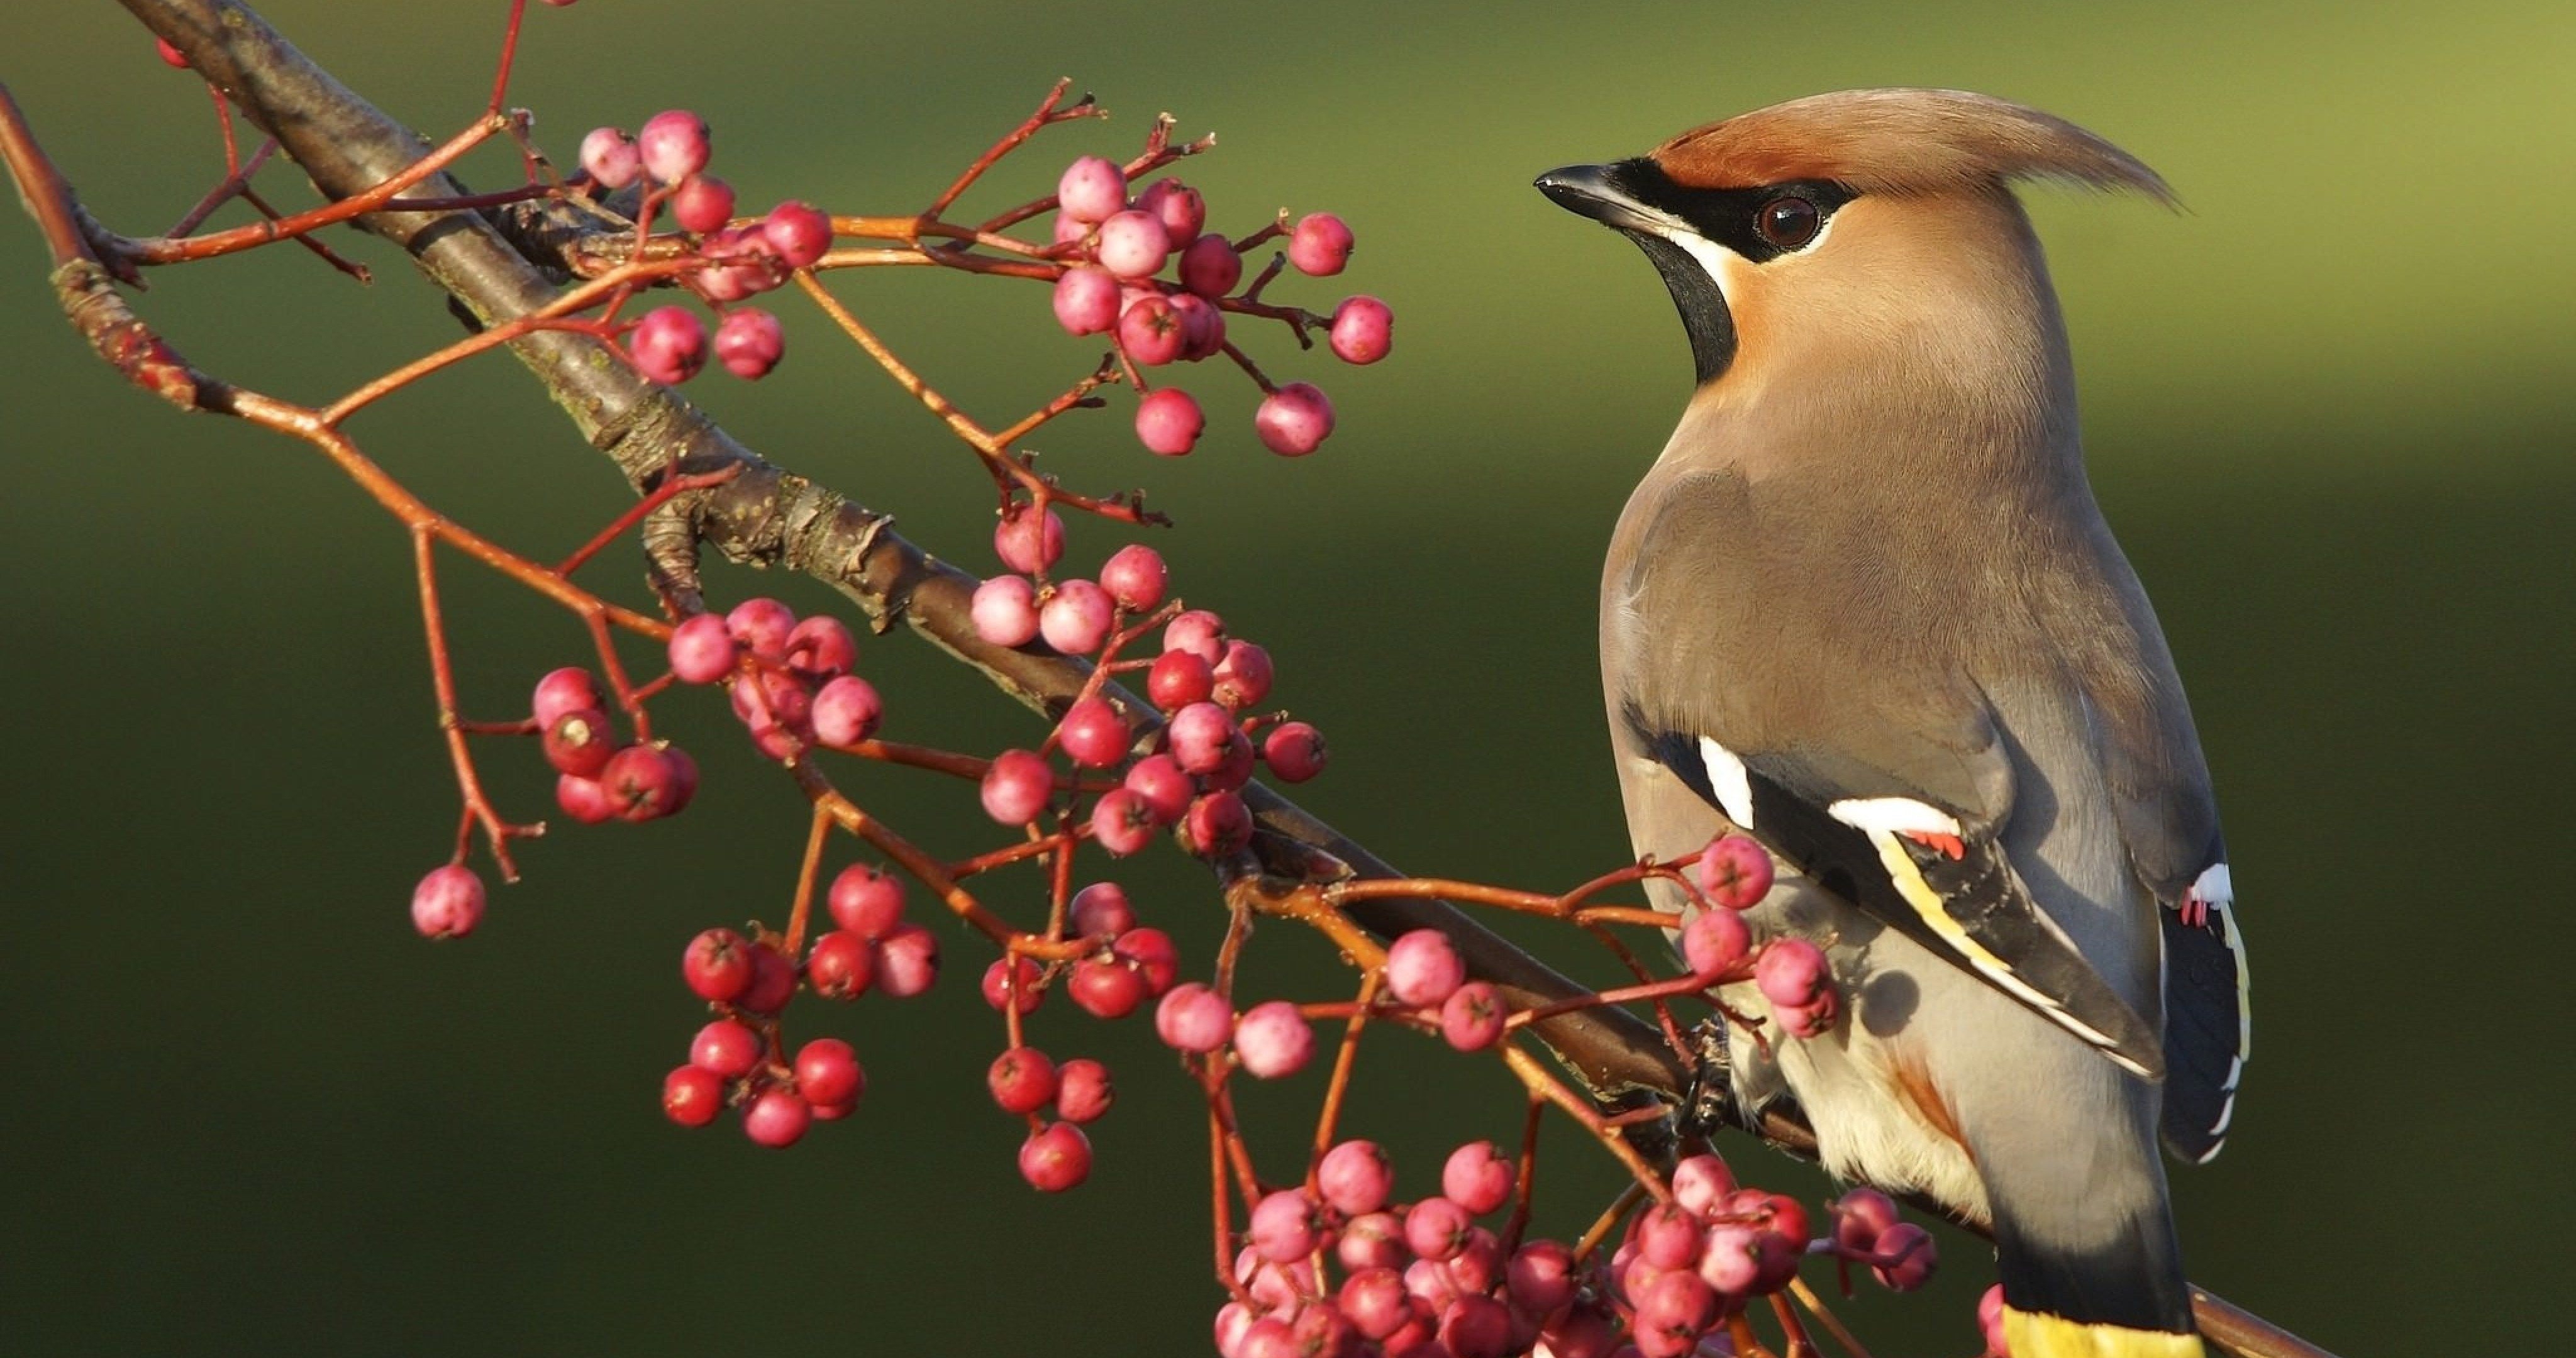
(2123, 1299)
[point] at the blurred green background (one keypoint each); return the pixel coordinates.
(247, 1110)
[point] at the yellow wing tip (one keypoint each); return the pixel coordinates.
(2037, 1334)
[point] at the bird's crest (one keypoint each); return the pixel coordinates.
(1901, 141)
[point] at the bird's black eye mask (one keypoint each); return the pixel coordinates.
(1760, 223)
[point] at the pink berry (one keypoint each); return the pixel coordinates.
(1363, 330)
(1423, 968)
(1375, 1301)
(1235, 769)
(1540, 1277)
(800, 233)
(867, 901)
(1715, 942)
(1017, 786)
(1181, 209)
(847, 711)
(1274, 1040)
(1990, 1322)
(669, 345)
(1193, 1018)
(717, 965)
(840, 966)
(1780, 1214)
(1072, 230)
(579, 743)
(1210, 267)
(1283, 1227)
(1028, 541)
(1022, 1080)
(1056, 1158)
(583, 799)
(1373, 1240)
(907, 961)
(1672, 1311)
(1294, 420)
(1581, 1333)
(777, 1119)
(727, 1047)
(1100, 910)
(702, 650)
(762, 626)
(749, 342)
(684, 780)
(1861, 1216)
(1813, 1019)
(1092, 189)
(641, 783)
(1476, 1327)
(1294, 750)
(1082, 1090)
(702, 203)
(1179, 679)
(1092, 734)
(692, 1097)
(827, 1072)
(1355, 1178)
(1133, 245)
(1151, 332)
(1478, 1177)
(1791, 972)
(1243, 677)
(1731, 1258)
(821, 648)
(1076, 618)
(1320, 244)
(1436, 1229)
(1202, 326)
(1105, 987)
(1151, 953)
(1199, 632)
(1013, 981)
(1087, 300)
(448, 903)
(1198, 735)
(609, 157)
(1908, 1257)
(1005, 610)
(1702, 1183)
(1734, 872)
(1471, 1019)
(1157, 781)
(1121, 822)
(1217, 824)
(773, 982)
(673, 145)
(1135, 577)
(1669, 1236)
(564, 690)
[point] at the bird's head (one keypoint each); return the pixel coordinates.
(1849, 224)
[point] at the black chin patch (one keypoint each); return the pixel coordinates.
(1705, 319)
(1723, 217)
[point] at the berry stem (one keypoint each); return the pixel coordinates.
(235, 180)
(817, 834)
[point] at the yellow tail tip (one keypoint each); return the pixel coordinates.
(2037, 1334)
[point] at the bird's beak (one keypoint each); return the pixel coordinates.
(1595, 191)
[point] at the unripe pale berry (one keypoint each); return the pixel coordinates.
(1022, 1080)
(1735, 872)
(847, 711)
(1151, 332)
(1436, 1229)
(800, 233)
(448, 902)
(1135, 577)
(907, 961)
(1082, 1090)
(827, 1072)
(609, 157)
(1158, 781)
(673, 145)
(1274, 1040)
(1133, 245)
(728, 1047)
(866, 900)
(1087, 300)
(1076, 618)
(1056, 1158)
(1294, 420)
(1121, 822)
(1169, 422)
(717, 965)
(1320, 244)
(1294, 750)
(1423, 968)
(1477, 1177)
(840, 966)
(1017, 786)
(1244, 676)
(1217, 824)
(669, 345)
(1028, 541)
(692, 1097)
(702, 650)
(777, 1119)
(1363, 330)
(1715, 942)
(749, 342)
(1013, 981)
(561, 691)
(579, 743)
(1181, 209)
(1092, 189)
(702, 203)
(1210, 267)
(1471, 1019)
(1005, 610)
(1178, 679)
(1355, 1178)
(1193, 1018)
(1791, 972)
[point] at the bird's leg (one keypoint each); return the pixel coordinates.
(1709, 1103)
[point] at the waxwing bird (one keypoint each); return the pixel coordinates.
(1864, 609)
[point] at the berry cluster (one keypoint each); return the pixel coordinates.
(1120, 243)
(789, 677)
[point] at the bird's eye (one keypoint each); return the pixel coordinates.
(1788, 221)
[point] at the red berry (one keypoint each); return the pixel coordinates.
(1106, 988)
(1076, 618)
(1320, 244)
(1181, 209)
(1193, 1018)
(702, 650)
(565, 690)
(1135, 577)
(170, 55)
(1056, 1158)
(1092, 189)
(773, 982)
(1087, 300)
(1283, 1227)
(1273, 1040)
(1028, 541)
(777, 1119)
(1158, 781)
(1092, 734)
(1478, 1177)
(1375, 1301)
(907, 961)
(1423, 968)
(1022, 1080)
(1179, 679)
(609, 157)
(749, 342)
(702, 203)
(692, 1097)
(1100, 910)
(1715, 942)
(799, 233)
(583, 799)
(1791, 972)
(1210, 267)
(1235, 770)
(669, 345)
(579, 743)
(717, 965)
(1082, 1090)
(639, 780)
(867, 901)
(1471, 1019)
(1121, 822)
(1013, 981)
(763, 627)
(1363, 330)
(1355, 1178)
(1017, 786)
(1133, 244)
(1005, 610)
(846, 711)
(1541, 1277)
(1243, 677)
(673, 145)
(1476, 1327)
(1672, 1311)
(841, 966)
(1150, 952)
(1169, 421)
(1734, 872)
(726, 1047)
(1151, 333)
(448, 903)
(827, 1072)
(1217, 824)
(1198, 735)
(1294, 750)
(1436, 1229)
(1294, 420)
(684, 780)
